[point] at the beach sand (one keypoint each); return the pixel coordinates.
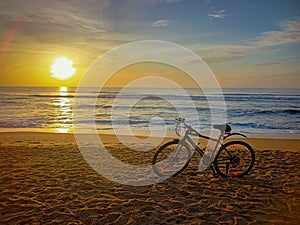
(45, 180)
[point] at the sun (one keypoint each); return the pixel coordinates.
(62, 68)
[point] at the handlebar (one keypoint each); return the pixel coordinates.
(190, 130)
(182, 120)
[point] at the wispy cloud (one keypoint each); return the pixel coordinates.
(289, 32)
(221, 52)
(59, 26)
(171, 1)
(266, 64)
(227, 52)
(154, 2)
(160, 23)
(220, 14)
(54, 19)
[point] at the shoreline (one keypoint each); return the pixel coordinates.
(23, 138)
(145, 133)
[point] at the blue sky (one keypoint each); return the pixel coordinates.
(246, 43)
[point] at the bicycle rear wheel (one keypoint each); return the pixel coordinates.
(234, 159)
(171, 159)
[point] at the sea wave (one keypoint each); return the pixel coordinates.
(254, 112)
(247, 110)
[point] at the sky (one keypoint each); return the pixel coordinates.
(245, 43)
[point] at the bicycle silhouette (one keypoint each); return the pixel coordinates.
(232, 159)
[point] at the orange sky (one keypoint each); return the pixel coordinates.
(241, 50)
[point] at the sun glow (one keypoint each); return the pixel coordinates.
(62, 68)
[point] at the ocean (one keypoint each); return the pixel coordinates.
(258, 111)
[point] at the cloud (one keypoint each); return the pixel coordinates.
(266, 64)
(289, 32)
(221, 52)
(160, 23)
(58, 18)
(171, 1)
(155, 2)
(60, 27)
(226, 52)
(188, 59)
(220, 14)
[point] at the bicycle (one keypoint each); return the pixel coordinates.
(233, 159)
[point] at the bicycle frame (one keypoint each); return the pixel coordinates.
(191, 131)
(187, 139)
(219, 157)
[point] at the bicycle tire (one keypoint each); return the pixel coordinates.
(163, 158)
(239, 155)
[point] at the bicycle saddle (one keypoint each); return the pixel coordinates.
(221, 127)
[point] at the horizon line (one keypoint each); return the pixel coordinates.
(150, 87)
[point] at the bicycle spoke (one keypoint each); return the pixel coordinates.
(236, 158)
(171, 159)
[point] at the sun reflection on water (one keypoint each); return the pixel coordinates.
(62, 130)
(64, 115)
(63, 91)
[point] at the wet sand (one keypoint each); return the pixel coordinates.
(45, 180)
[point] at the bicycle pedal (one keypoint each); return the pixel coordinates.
(216, 175)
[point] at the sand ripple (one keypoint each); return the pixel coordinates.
(48, 184)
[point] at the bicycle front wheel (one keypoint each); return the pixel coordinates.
(234, 159)
(171, 159)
